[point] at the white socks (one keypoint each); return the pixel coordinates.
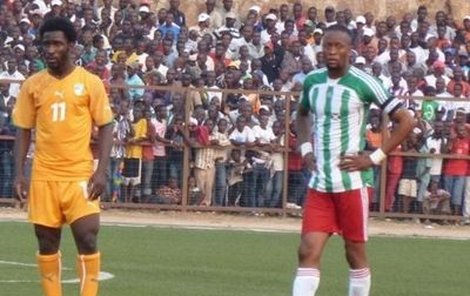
(306, 282)
(359, 282)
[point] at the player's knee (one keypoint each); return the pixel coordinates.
(48, 245)
(356, 255)
(48, 241)
(307, 253)
(87, 243)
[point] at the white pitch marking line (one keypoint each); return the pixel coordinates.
(104, 276)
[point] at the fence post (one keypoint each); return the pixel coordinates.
(383, 169)
(286, 156)
(186, 150)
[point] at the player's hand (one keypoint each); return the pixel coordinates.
(358, 162)
(309, 162)
(96, 185)
(21, 189)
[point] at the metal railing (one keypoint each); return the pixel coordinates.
(284, 208)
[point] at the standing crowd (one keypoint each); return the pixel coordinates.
(238, 139)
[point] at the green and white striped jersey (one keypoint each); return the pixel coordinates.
(340, 108)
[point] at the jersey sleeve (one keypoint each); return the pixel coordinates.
(99, 103)
(375, 92)
(24, 112)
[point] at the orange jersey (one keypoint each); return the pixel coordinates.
(62, 112)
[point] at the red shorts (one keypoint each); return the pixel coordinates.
(345, 213)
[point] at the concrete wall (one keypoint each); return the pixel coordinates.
(380, 8)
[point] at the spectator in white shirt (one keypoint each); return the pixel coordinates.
(399, 86)
(438, 72)
(274, 187)
(435, 144)
(261, 162)
(263, 133)
(307, 48)
(271, 23)
(421, 54)
(220, 136)
(283, 16)
(13, 74)
(307, 67)
(413, 91)
(242, 135)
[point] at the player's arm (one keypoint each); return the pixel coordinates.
(404, 124)
(364, 161)
(303, 123)
(24, 119)
(22, 142)
(400, 116)
(103, 118)
(105, 143)
(303, 127)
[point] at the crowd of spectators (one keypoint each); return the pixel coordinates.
(238, 140)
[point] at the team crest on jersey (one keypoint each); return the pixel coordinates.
(79, 89)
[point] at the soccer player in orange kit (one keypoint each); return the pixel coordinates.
(61, 104)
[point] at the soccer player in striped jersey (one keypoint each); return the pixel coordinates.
(337, 98)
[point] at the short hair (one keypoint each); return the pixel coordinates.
(339, 28)
(59, 24)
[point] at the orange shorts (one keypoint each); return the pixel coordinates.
(344, 213)
(53, 203)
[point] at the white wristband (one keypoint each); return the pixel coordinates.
(306, 148)
(377, 156)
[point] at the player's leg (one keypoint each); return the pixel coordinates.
(48, 258)
(319, 221)
(359, 273)
(307, 278)
(353, 212)
(85, 232)
(44, 212)
(83, 216)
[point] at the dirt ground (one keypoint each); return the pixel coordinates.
(254, 223)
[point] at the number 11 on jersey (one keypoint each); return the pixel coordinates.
(58, 111)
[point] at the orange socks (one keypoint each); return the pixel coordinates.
(50, 270)
(88, 270)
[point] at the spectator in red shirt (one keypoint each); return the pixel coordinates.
(299, 17)
(295, 168)
(394, 170)
(455, 170)
(220, 55)
(458, 78)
